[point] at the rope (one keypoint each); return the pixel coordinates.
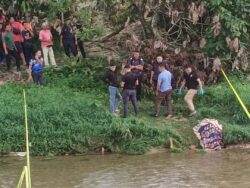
(236, 94)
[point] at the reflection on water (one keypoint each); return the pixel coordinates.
(222, 170)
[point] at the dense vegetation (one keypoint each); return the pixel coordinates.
(70, 115)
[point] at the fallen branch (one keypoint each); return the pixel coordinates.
(115, 32)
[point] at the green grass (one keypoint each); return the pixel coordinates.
(70, 115)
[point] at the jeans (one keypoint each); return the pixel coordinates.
(14, 54)
(189, 99)
(69, 46)
(114, 98)
(38, 78)
(48, 51)
(128, 95)
(167, 95)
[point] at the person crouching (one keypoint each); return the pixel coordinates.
(36, 68)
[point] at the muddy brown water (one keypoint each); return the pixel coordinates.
(163, 170)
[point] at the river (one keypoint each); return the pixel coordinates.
(222, 169)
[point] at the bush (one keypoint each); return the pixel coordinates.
(66, 122)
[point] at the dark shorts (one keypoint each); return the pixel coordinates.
(19, 47)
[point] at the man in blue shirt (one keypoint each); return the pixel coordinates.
(164, 91)
(155, 70)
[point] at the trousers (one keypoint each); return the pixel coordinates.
(128, 95)
(114, 98)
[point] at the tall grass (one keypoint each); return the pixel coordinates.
(70, 115)
(68, 122)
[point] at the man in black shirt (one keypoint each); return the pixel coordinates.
(136, 63)
(68, 40)
(77, 28)
(129, 83)
(114, 94)
(192, 81)
(27, 44)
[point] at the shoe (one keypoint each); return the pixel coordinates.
(154, 115)
(114, 114)
(192, 113)
(117, 111)
(169, 117)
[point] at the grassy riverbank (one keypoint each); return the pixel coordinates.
(70, 115)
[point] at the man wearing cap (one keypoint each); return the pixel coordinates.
(136, 63)
(129, 83)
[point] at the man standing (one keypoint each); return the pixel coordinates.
(45, 37)
(68, 41)
(155, 70)
(10, 48)
(2, 56)
(77, 28)
(164, 91)
(114, 94)
(129, 82)
(27, 34)
(17, 29)
(137, 63)
(192, 82)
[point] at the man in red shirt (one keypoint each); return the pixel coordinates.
(17, 29)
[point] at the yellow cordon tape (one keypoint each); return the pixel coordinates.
(26, 169)
(236, 94)
(24, 173)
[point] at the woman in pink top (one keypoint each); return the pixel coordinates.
(45, 37)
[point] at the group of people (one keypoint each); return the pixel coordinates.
(17, 42)
(161, 80)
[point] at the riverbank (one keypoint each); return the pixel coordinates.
(70, 116)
